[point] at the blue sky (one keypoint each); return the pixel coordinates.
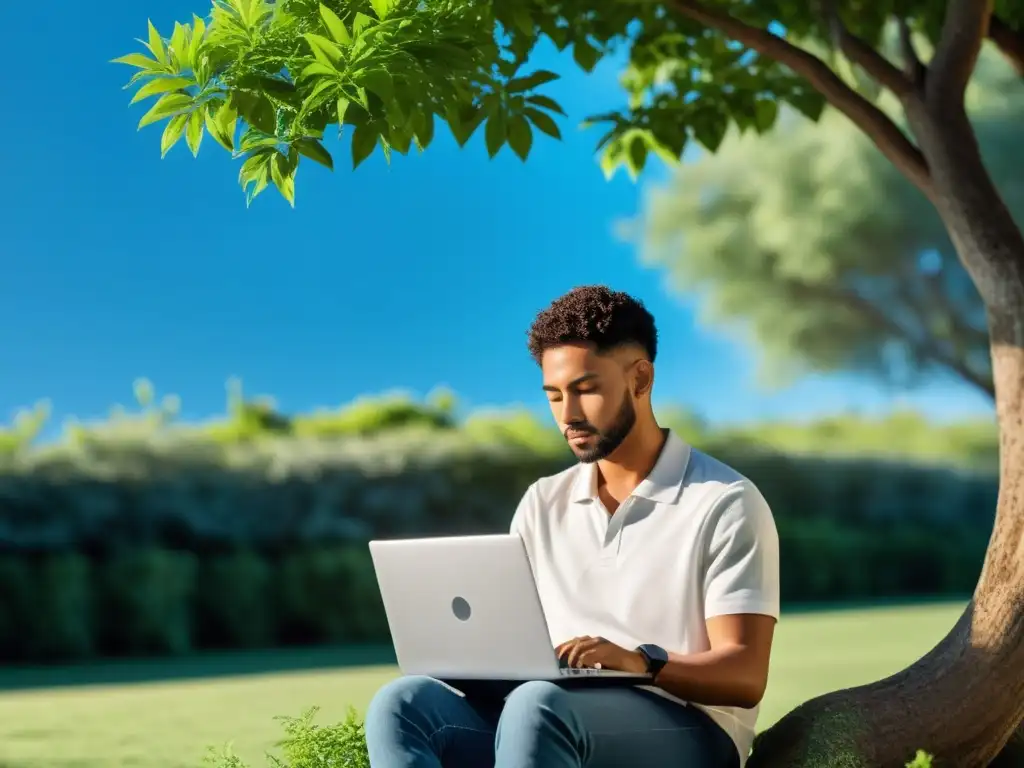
(117, 264)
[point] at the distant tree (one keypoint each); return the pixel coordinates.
(808, 238)
(288, 70)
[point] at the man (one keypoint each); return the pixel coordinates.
(649, 556)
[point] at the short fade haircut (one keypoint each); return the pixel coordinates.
(596, 315)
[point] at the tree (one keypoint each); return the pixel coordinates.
(810, 239)
(390, 68)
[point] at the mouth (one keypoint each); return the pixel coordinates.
(578, 438)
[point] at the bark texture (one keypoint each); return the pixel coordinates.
(963, 702)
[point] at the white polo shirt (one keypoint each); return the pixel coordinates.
(695, 540)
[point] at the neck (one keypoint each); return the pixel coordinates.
(633, 460)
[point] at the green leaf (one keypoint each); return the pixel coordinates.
(364, 139)
(379, 82)
(636, 155)
(161, 85)
(546, 103)
(808, 102)
(194, 131)
(256, 110)
(165, 106)
(282, 172)
(424, 130)
(463, 125)
(179, 45)
(221, 123)
(533, 80)
(765, 112)
(507, 68)
(316, 151)
(256, 171)
(138, 60)
(335, 26)
(325, 51)
(382, 8)
(522, 20)
(156, 45)
(709, 127)
(585, 55)
(360, 22)
(665, 151)
(520, 136)
(198, 33)
(611, 158)
(173, 132)
(495, 132)
(543, 122)
(342, 106)
(317, 69)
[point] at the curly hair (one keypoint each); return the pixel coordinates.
(594, 314)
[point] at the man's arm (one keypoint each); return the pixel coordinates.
(734, 673)
(741, 606)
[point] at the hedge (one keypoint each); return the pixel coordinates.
(163, 546)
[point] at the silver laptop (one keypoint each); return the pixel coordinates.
(467, 608)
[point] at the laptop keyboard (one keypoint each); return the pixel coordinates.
(573, 672)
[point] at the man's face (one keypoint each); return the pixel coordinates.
(590, 398)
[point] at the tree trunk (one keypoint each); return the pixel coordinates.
(964, 700)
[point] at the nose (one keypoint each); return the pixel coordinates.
(571, 411)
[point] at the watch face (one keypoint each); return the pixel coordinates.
(655, 652)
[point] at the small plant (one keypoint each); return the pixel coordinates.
(307, 745)
(921, 760)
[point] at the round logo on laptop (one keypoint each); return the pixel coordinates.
(461, 609)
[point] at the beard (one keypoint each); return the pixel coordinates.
(607, 440)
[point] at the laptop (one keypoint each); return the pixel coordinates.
(466, 608)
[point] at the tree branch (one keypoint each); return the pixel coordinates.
(886, 135)
(965, 28)
(912, 64)
(927, 348)
(866, 57)
(1009, 42)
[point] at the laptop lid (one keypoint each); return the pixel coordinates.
(464, 607)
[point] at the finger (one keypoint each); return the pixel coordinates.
(585, 645)
(563, 649)
(575, 653)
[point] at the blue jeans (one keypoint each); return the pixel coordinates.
(418, 722)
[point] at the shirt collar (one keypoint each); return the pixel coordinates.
(663, 484)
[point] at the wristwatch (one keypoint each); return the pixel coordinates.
(655, 656)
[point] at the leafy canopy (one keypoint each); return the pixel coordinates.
(818, 246)
(267, 79)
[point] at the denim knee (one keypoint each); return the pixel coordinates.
(534, 702)
(402, 698)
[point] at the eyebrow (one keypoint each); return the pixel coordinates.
(575, 382)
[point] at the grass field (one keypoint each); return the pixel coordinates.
(164, 714)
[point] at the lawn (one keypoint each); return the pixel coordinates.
(164, 714)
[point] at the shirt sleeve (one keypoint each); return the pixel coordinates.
(742, 556)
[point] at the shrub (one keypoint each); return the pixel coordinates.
(307, 745)
(62, 621)
(17, 608)
(146, 602)
(329, 594)
(234, 605)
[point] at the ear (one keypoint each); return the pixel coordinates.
(643, 378)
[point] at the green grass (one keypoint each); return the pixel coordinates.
(63, 718)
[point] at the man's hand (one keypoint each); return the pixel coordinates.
(598, 653)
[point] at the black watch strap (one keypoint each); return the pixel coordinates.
(655, 656)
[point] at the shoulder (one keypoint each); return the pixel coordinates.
(723, 495)
(559, 487)
(551, 492)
